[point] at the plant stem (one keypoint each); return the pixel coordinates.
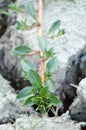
(34, 53)
(40, 9)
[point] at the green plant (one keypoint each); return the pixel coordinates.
(42, 87)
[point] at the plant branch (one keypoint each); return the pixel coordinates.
(34, 53)
(40, 9)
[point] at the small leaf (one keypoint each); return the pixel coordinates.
(31, 10)
(15, 7)
(54, 100)
(28, 101)
(47, 104)
(51, 85)
(25, 75)
(21, 25)
(24, 92)
(22, 50)
(47, 75)
(26, 65)
(54, 26)
(61, 32)
(44, 92)
(49, 53)
(2, 11)
(35, 79)
(43, 43)
(42, 109)
(51, 64)
(36, 100)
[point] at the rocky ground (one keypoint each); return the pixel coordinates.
(13, 115)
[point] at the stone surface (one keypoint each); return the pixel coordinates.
(44, 123)
(81, 90)
(78, 108)
(76, 70)
(10, 107)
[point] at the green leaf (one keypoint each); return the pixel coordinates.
(47, 75)
(36, 100)
(61, 32)
(54, 26)
(47, 104)
(15, 7)
(22, 50)
(49, 53)
(42, 109)
(54, 100)
(26, 65)
(27, 91)
(51, 85)
(21, 25)
(28, 101)
(51, 64)
(35, 79)
(44, 92)
(2, 11)
(31, 10)
(43, 43)
(25, 75)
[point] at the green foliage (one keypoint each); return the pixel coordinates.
(53, 100)
(15, 7)
(2, 11)
(26, 65)
(49, 52)
(50, 83)
(25, 92)
(55, 30)
(21, 25)
(51, 64)
(35, 79)
(43, 43)
(22, 50)
(31, 10)
(38, 93)
(54, 26)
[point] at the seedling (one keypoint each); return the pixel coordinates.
(41, 91)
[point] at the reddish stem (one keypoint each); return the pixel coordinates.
(34, 53)
(40, 9)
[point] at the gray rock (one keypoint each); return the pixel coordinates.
(10, 108)
(78, 108)
(76, 70)
(81, 90)
(10, 64)
(44, 123)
